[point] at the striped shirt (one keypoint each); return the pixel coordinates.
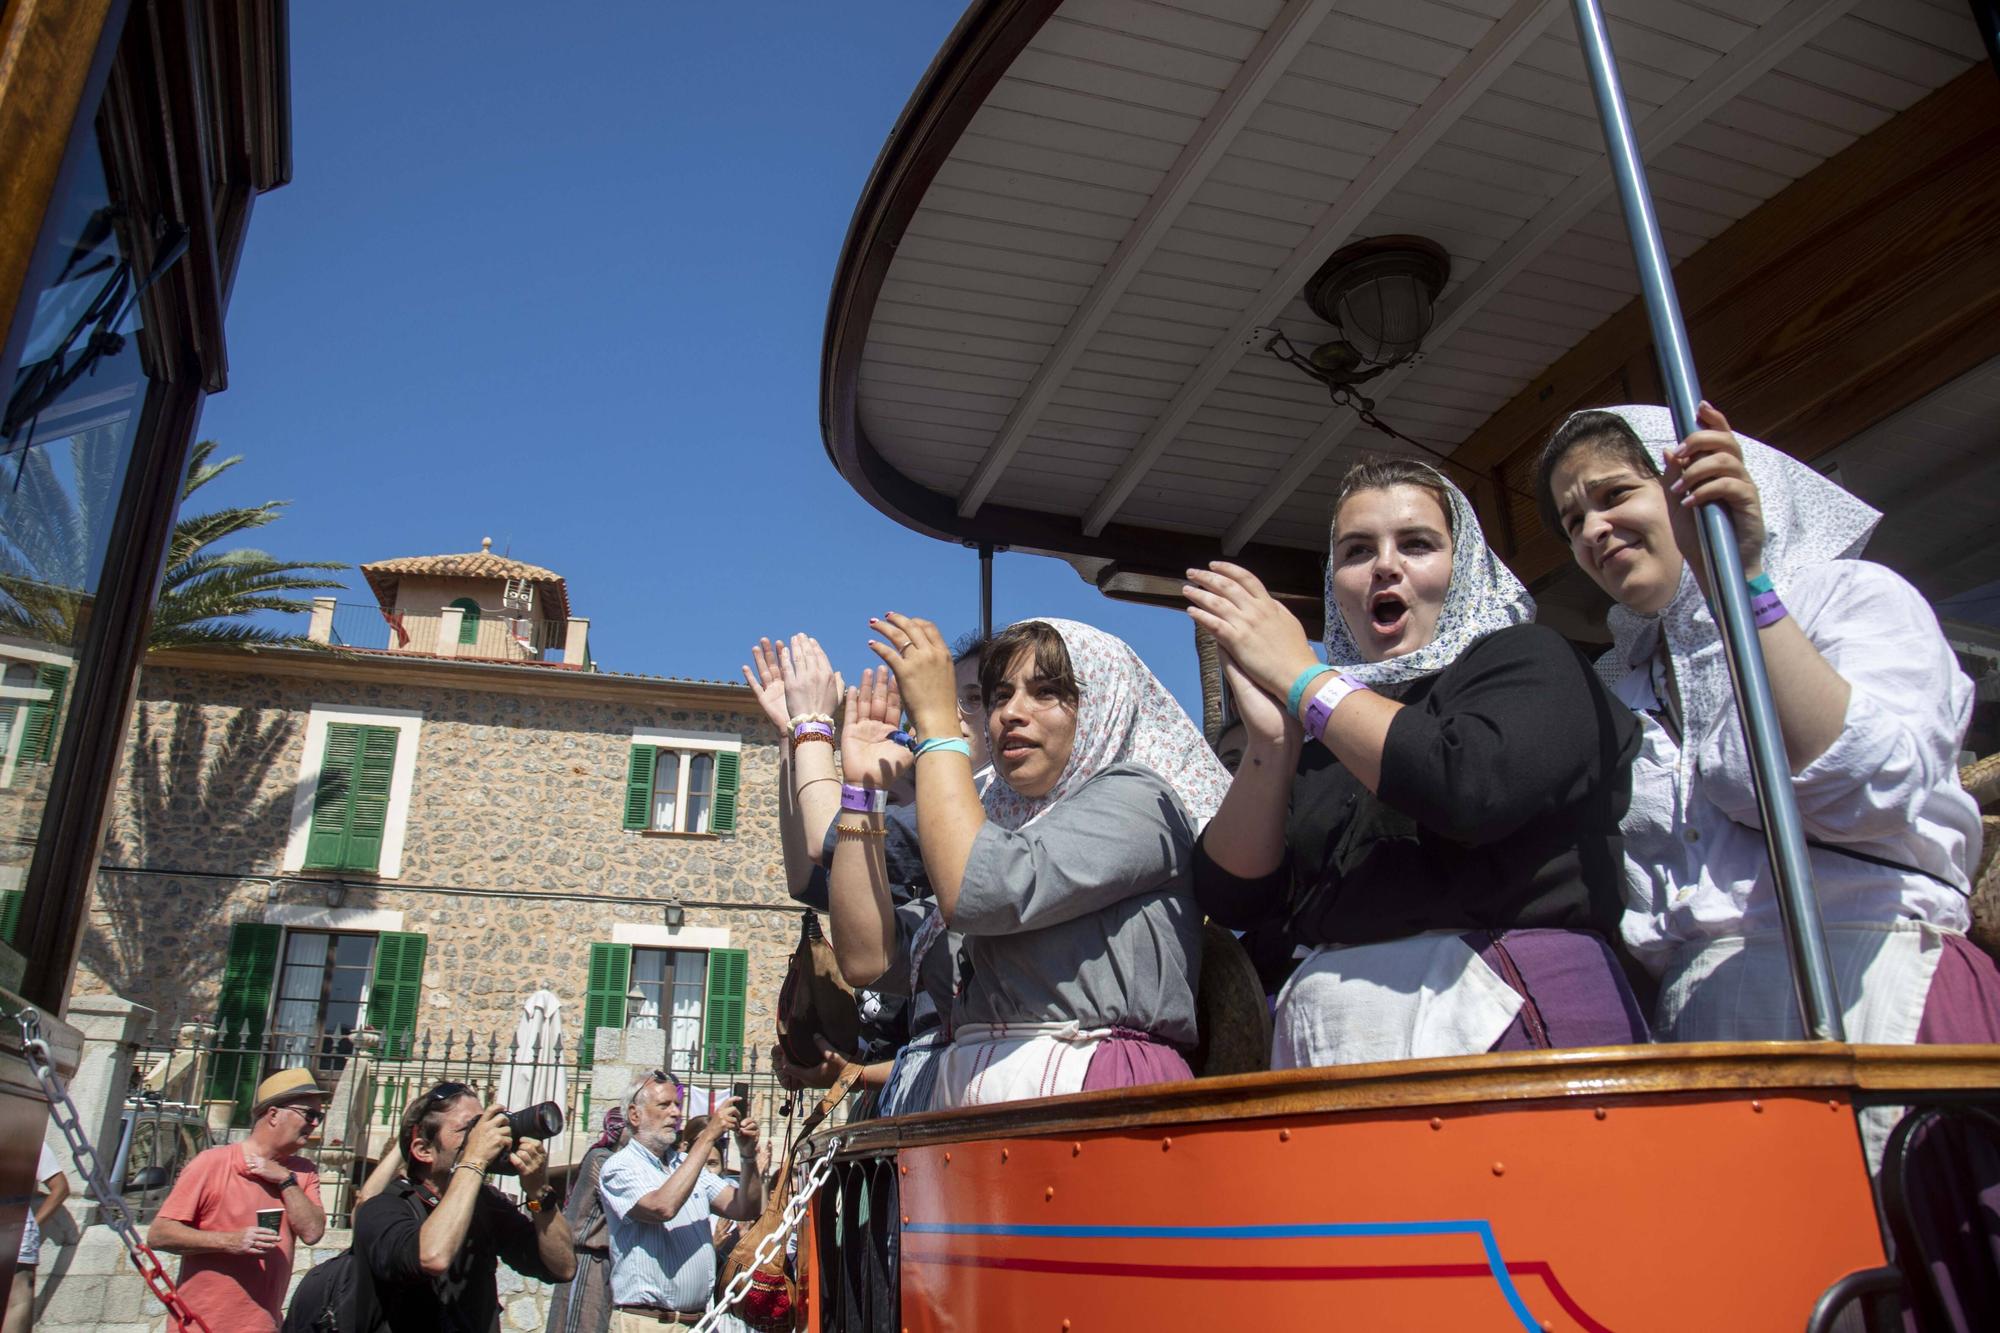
(668, 1264)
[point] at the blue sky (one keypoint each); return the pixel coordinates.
(558, 276)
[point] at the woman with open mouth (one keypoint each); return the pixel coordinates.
(1435, 813)
(1068, 880)
(1872, 706)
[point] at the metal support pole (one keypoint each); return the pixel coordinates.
(986, 590)
(1784, 834)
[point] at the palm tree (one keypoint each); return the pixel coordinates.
(51, 551)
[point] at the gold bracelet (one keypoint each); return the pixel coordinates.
(847, 830)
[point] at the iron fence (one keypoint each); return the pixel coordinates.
(189, 1092)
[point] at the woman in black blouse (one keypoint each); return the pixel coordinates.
(1447, 845)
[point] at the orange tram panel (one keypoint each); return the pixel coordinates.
(1645, 1189)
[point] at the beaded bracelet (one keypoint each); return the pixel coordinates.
(954, 744)
(847, 830)
(806, 736)
(812, 727)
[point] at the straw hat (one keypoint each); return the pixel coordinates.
(287, 1085)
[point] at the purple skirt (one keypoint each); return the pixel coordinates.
(1575, 992)
(1953, 1175)
(1129, 1059)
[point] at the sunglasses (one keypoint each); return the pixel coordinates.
(312, 1115)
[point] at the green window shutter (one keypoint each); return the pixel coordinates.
(239, 1016)
(468, 624)
(639, 786)
(370, 804)
(604, 996)
(396, 990)
(333, 799)
(39, 718)
(722, 811)
(722, 1016)
(10, 913)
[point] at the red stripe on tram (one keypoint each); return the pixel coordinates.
(1262, 1273)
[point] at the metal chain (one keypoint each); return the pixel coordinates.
(794, 1211)
(116, 1215)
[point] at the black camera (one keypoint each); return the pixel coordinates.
(541, 1122)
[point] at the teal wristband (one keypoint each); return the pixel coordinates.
(1762, 583)
(954, 744)
(1297, 694)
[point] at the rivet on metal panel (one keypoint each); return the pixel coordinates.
(1600, 1113)
(1065, 1325)
(1076, 1150)
(1166, 1145)
(1436, 1123)
(1049, 1193)
(1832, 1105)
(1003, 1156)
(1758, 1107)
(904, 1170)
(906, 1219)
(1284, 1136)
(947, 1159)
(1499, 1168)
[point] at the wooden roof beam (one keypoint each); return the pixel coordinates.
(1510, 35)
(1788, 29)
(1863, 286)
(1260, 71)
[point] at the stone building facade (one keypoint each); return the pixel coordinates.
(504, 839)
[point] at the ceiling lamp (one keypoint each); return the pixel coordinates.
(1380, 296)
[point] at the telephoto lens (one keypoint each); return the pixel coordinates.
(541, 1122)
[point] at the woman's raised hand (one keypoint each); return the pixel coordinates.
(919, 656)
(766, 679)
(1266, 641)
(1708, 469)
(874, 711)
(811, 684)
(1264, 717)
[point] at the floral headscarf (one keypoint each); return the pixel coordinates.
(1483, 596)
(614, 1128)
(1808, 520)
(1124, 715)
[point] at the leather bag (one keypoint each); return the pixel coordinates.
(815, 1002)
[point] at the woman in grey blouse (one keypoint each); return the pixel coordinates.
(1068, 881)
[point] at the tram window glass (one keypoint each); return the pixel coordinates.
(71, 391)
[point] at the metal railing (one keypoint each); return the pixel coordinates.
(494, 636)
(193, 1090)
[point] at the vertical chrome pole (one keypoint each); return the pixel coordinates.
(1784, 834)
(986, 590)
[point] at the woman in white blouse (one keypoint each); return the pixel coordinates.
(1872, 707)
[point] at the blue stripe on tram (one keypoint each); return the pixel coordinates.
(1478, 1227)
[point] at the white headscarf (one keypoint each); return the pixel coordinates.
(1808, 520)
(1123, 715)
(1483, 596)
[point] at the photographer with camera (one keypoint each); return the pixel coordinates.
(659, 1202)
(431, 1243)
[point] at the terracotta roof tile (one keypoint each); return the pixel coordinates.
(383, 575)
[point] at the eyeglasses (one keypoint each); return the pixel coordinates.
(312, 1115)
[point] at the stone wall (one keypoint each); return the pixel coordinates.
(514, 861)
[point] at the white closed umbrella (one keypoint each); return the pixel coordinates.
(534, 1073)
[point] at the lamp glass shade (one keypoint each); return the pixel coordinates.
(1385, 313)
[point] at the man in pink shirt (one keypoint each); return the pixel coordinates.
(234, 1272)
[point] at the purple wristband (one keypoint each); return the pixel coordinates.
(1319, 709)
(1766, 610)
(863, 800)
(813, 729)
